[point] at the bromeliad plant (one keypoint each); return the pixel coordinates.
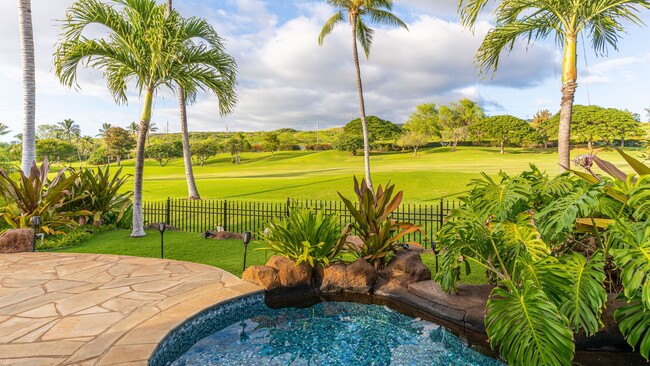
(551, 247)
(306, 236)
(373, 223)
(99, 193)
(37, 195)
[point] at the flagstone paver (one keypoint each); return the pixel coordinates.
(91, 309)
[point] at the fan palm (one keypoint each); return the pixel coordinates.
(358, 12)
(192, 191)
(533, 20)
(151, 48)
(29, 84)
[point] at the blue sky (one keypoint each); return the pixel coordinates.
(286, 80)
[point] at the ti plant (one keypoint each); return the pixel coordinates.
(378, 231)
(37, 195)
(306, 236)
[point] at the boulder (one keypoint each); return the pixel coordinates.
(262, 275)
(357, 277)
(17, 240)
(405, 268)
(354, 242)
(290, 274)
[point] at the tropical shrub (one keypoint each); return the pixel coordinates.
(37, 195)
(99, 194)
(551, 247)
(373, 224)
(306, 236)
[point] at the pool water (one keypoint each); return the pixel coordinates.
(331, 333)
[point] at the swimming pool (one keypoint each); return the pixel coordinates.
(247, 332)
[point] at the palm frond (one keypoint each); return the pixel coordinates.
(331, 23)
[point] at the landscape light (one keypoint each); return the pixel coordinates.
(36, 222)
(161, 227)
(246, 238)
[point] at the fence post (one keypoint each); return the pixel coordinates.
(440, 218)
(224, 218)
(168, 213)
(286, 212)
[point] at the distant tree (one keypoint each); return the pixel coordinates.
(164, 152)
(413, 139)
(505, 130)
(55, 150)
(237, 145)
(4, 129)
(49, 132)
(350, 143)
(119, 142)
(104, 129)
(620, 125)
(203, 150)
(424, 121)
(539, 123)
(70, 129)
(134, 128)
(378, 129)
(455, 119)
(588, 125)
(85, 146)
(152, 128)
(271, 142)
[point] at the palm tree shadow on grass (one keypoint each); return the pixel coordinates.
(284, 188)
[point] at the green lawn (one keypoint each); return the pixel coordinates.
(225, 254)
(435, 173)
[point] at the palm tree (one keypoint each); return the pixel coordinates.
(4, 129)
(192, 191)
(358, 12)
(134, 128)
(533, 20)
(70, 129)
(105, 127)
(29, 84)
(152, 128)
(151, 47)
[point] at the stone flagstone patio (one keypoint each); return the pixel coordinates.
(86, 309)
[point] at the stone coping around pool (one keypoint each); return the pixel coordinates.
(91, 309)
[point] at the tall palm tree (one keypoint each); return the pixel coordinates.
(192, 191)
(151, 47)
(533, 20)
(358, 12)
(105, 127)
(29, 84)
(70, 129)
(4, 129)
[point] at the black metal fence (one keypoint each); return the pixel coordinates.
(238, 216)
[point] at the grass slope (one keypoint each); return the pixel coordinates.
(434, 174)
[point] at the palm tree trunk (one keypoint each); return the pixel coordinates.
(138, 219)
(503, 147)
(29, 84)
(192, 191)
(362, 107)
(569, 76)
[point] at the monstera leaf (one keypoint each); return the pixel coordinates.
(527, 326)
(500, 199)
(561, 216)
(584, 307)
(631, 253)
(634, 322)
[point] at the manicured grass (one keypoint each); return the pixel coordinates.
(435, 173)
(225, 254)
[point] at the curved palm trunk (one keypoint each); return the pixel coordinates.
(138, 219)
(29, 84)
(569, 77)
(192, 191)
(362, 107)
